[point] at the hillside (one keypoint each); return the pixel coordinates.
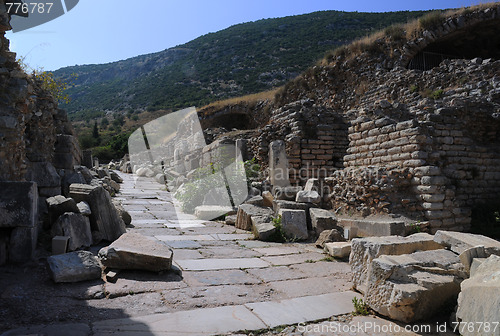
(242, 59)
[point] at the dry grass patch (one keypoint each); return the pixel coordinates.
(252, 98)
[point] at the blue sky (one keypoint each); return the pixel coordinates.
(101, 31)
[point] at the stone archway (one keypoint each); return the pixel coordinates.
(481, 39)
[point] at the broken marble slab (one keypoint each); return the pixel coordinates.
(364, 250)
(135, 251)
(413, 287)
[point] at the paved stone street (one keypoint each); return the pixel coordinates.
(229, 281)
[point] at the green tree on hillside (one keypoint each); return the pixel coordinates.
(95, 131)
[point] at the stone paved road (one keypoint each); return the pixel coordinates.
(229, 281)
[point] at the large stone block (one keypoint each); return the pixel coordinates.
(22, 244)
(74, 267)
(308, 197)
(374, 227)
(263, 228)
(18, 204)
(76, 227)
(245, 214)
(413, 287)
(313, 184)
(104, 217)
(44, 174)
(322, 220)
(280, 204)
(135, 251)
(209, 212)
(59, 205)
(366, 249)
(294, 224)
(479, 299)
(459, 242)
(338, 249)
(80, 192)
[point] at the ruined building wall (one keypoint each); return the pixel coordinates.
(14, 91)
(422, 144)
(315, 137)
(428, 159)
(38, 152)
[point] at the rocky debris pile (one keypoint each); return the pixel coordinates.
(412, 278)
(88, 215)
(131, 251)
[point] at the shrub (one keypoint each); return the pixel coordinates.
(395, 32)
(360, 307)
(279, 234)
(104, 153)
(431, 20)
(55, 86)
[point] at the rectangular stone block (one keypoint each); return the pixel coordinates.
(322, 220)
(459, 242)
(22, 244)
(18, 204)
(374, 228)
(294, 223)
(366, 249)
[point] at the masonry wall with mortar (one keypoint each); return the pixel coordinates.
(316, 140)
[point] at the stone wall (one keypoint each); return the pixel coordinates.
(421, 144)
(315, 137)
(37, 149)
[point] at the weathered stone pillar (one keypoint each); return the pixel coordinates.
(87, 158)
(242, 149)
(278, 164)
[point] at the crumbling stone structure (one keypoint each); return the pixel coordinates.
(38, 151)
(393, 140)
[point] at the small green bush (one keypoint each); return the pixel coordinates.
(278, 235)
(360, 307)
(437, 94)
(431, 20)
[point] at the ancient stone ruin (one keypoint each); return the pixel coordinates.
(43, 187)
(380, 140)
